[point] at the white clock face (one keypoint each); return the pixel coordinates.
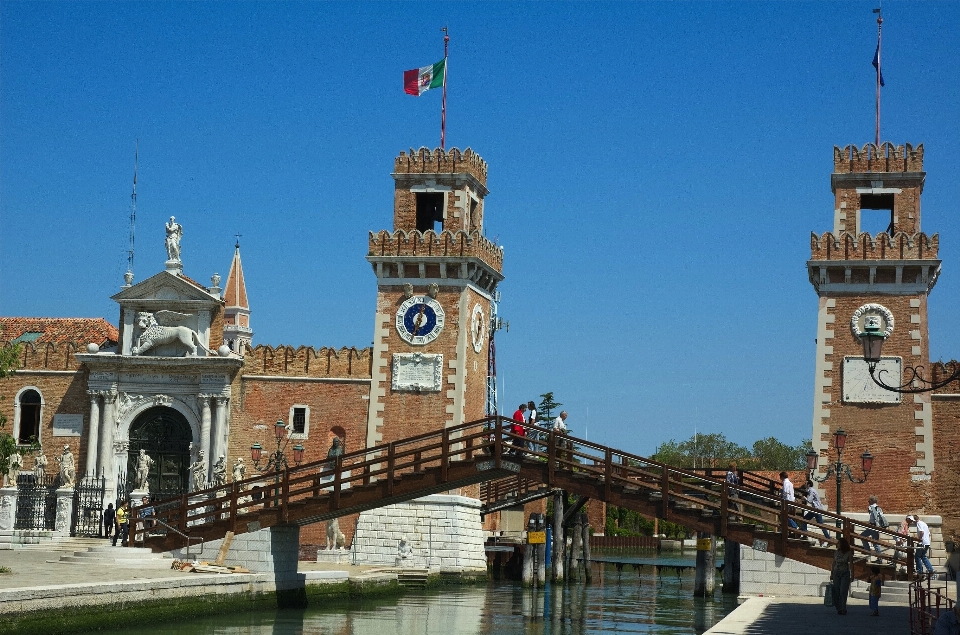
(478, 327)
(420, 320)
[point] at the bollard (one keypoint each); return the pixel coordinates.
(731, 566)
(585, 528)
(706, 571)
(559, 541)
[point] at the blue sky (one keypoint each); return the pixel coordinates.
(655, 170)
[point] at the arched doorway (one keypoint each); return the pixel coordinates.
(165, 435)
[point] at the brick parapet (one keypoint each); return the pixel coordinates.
(440, 161)
(307, 361)
(847, 246)
(446, 244)
(50, 356)
(883, 158)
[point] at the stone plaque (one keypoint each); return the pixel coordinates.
(859, 387)
(417, 371)
(67, 425)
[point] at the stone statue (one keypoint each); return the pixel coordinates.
(39, 466)
(14, 463)
(68, 469)
(335, 537)
(239, 470)
(220, 472)
(336, 448)
(199, 470)
(153, 333)
(404, 550)
(174, 234)
(143, 471)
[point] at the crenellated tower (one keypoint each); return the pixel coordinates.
(889, 275)
(436, 273)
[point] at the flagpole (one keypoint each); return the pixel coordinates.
(879, 40)
(443, 107)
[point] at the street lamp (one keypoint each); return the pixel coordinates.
(839, 468)
(872, 339)
(277, 460)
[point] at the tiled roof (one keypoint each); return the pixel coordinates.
(58, 330)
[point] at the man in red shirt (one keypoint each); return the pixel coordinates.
(518, 429)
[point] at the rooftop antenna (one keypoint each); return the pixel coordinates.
(128, 277)
(876, 64)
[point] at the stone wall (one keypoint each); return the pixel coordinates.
(443, 530)
(272, 550)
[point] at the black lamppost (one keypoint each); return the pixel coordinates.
(872, 339)
(277, 461)
(839, 468)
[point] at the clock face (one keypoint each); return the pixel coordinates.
(478, 327)
(420, 320)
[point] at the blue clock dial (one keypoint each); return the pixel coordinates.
(420, 319)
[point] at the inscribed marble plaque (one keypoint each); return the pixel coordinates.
(859, 387)
(67, 425)
(417, 371)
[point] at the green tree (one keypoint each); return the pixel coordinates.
(773, 454)
(9, 361)
(546, 407)
(700, 450)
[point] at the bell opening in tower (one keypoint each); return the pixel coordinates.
(876, 214)
(430, 211)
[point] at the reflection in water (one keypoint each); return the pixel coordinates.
(645, 601)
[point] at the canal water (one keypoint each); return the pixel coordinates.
(655, 597)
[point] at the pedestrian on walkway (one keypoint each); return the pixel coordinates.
(786, 491)
(516, 428)
(813, 500)
(123, 525)
(840, 575)
(923, 534)
(876, 588)
(877, 519)
(560, 431)
(109, 517)
(733, 479)
(532, 420)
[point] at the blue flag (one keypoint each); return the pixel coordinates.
(876, 64)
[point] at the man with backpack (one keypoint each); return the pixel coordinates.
(877, 520)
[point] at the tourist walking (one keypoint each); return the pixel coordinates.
(123, 525)
(109, 516)
(923, 534)
(560, 430)
(786, 491)
(876, 588)
(877, 519)
(903, 532)
(840, 574)
(733, 479)
(532, 420)
(517, 429)
(813, 500)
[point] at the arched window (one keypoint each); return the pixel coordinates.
(28, 416)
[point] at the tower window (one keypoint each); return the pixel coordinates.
(874, 223)
(430, 211)
(28, 429)
(300, 421)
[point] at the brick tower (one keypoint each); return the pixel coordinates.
(888, 275)
(237, 333)
(436, 273)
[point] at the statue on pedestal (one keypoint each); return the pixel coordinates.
(144, 462)
(404, 550)
(39, 466)
(199, 471)
(335, 537)
(14, 463)
(336, 448)
(220, 472)
(239, 470)
(174, 234)
(68, 468)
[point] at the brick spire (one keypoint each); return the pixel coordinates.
(236, 313)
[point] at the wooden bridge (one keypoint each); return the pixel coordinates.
(485, 451)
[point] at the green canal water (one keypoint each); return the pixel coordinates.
(646, 599)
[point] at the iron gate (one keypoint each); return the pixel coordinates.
(88, 507)
(36, 502)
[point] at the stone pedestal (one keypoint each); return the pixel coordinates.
(64, 511)
(443, 530)
(8, 516)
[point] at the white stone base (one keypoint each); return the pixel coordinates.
(444, 531)
(770, 574)
(273, 550)
(333, 556)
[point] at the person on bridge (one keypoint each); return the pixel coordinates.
(733, 479)
(786, 491)
(877, 519)
(813, 500)
(923, 534)
(517, 429)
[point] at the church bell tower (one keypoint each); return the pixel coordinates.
(436, 275)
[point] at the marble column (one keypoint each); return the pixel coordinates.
(105, 455)
(222, 429)
(93, 433)
(204, 401)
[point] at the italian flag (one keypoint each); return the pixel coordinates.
(420, 80)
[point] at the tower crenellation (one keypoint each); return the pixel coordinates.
(883, 158)
(439, 161)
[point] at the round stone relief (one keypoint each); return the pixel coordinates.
(875, 314)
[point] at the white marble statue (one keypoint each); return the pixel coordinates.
(335, 537)
(239, 470)
(404, 549)
(220, 472)
(14, 463)
(199, 470)
(39, 466)
(174, 234)
(142, 478)
(153, 333)
(68, 468)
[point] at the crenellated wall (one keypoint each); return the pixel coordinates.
(457, 244)
(450, 161)
(306, 361)
(847, 246)
(50, 356)
(871, 158)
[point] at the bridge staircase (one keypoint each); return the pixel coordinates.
(483, 451)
